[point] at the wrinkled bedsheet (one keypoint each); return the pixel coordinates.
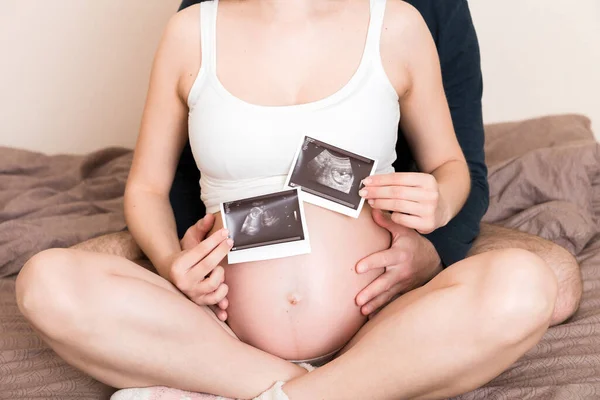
(549, 185)
(57, 201)
(544, 178)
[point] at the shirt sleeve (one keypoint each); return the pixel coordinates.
(185, 193)
(460, 60)
(187, 3)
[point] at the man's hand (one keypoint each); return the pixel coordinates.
(192, 238)
(410, 262)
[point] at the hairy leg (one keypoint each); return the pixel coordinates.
(119, 244)
(564, 265)
(454, 334)
(128, 327)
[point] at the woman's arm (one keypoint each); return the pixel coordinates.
(162, 135)
(427, 123)
(423, 201)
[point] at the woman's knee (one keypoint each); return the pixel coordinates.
(44, 289)
(518, 294)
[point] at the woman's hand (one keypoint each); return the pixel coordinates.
(413, 198)
(196, 270)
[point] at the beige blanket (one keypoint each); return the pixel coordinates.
(544, 176)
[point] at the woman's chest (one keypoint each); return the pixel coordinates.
(232, 140)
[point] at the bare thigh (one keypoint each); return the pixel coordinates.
(454, 334)
(158, 280)
(487, 274)
(129, 327)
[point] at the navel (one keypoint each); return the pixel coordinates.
(294, 299)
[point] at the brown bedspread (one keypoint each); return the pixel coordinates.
(544, 177)
(548, 183)
(57, 201)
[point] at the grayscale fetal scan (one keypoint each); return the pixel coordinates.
(264, 220)
(329, 172)
(332, 171)
(259, 218)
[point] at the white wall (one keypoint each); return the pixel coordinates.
(539, 57)
(74, 73)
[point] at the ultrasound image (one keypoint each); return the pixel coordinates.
(332, 171)
(259, 218)
(264, 220)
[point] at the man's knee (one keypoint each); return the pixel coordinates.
(559, 260)
(43, 289)
(570, 285)
(518, 295)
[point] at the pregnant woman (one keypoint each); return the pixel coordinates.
(245, 80)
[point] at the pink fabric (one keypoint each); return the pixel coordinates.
(161, 393)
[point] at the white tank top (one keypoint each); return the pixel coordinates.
(244, 150)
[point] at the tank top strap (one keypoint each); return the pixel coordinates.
(375, 28)
(208, 40)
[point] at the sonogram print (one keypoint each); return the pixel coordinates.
(259, 218)
(332, 171)
(264, 220)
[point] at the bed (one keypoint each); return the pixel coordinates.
(544, 179)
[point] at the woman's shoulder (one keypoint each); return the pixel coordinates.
(404, 29)
(402, 17)
(179, 53)
(184, 26)
(405, 38)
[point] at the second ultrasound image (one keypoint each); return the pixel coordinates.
(264, 220)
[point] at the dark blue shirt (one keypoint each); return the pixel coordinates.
(452, 28)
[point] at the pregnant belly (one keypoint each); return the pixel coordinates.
(304, 306)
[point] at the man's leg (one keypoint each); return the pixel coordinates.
(563, 264)
(462, 329)
(128, 327)
(120, 244)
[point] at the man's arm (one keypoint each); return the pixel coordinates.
(459, 54)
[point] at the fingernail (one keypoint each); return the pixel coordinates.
(371, 202)
(361, 268)
(360, 301)
(367, 181)
(225, 233)
(363, 193)
(230, 242)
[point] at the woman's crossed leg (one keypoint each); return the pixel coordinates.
(462, 329)
(129, 327)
